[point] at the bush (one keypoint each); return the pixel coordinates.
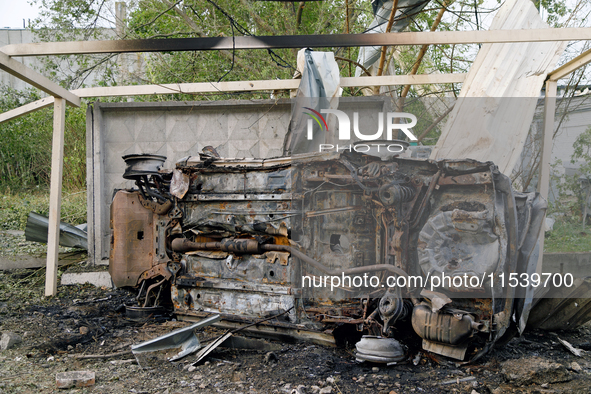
(25, 145)
(567, 236)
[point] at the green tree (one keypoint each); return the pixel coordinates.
(25, 148)
(65, 20)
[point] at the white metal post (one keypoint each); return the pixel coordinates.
(55, 195)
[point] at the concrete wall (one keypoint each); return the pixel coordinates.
(17, 36)
(578, 264)
(129, 65)
(175, 130)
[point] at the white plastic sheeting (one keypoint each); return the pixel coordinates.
(491, 119)
(319, 88)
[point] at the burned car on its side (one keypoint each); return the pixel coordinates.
(406, 252)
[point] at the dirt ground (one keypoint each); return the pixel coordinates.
(83, 320)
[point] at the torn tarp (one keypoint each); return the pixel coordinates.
(319, 88)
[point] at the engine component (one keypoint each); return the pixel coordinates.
(442, 326)
(458, 243)
(142, 165)
(379, 350)
(239, 246)
(391, 308)
(394, 194)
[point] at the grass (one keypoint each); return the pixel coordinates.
(568, 235)
(15, 207)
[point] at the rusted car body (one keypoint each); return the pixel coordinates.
(252, 239)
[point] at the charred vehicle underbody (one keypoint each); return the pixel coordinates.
(299, 237)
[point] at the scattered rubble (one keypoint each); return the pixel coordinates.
(183, 338)
(270, 357)
(99, 278)
(538, 370)
(69, 236)
(576, 367)
(9, 339)
(65, 380)
(458, 380)
(571, 348)
(52, 344)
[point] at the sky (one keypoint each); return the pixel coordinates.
(12, 13)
